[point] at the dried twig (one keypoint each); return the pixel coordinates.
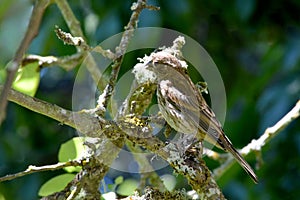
(67, 38)
(72, 22)
(65, 62)
(120, 52)
(76, 31)
(33, 169)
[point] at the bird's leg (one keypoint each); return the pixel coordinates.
(186, 143)
(202, 86)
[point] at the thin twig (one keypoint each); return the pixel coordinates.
(106, 53)
(33, 169)
(76, 31)
(120, 52)
(65, 62)
(31, 33)
(273, 131)
(86, 181)
(81, 121)
(67, 38)
(72, 22)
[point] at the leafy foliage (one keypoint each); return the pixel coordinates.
(27, 79)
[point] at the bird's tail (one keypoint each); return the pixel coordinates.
(243, 163)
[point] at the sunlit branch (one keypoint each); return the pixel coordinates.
(265, 138)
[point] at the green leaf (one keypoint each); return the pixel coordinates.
(2, 75)
(119, 180)
(55, 184)
(71, 150)
(111, 187)
(169, 181)
(27, 79)
(127, 187)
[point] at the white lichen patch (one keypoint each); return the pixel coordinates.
(63, 111)
(213, 192)
(179, 162)
(142, 74)
(171, 56)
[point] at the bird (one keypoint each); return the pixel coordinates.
(184, 108)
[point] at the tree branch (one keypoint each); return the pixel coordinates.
(85, 184)
(81, 121)
(33, 169)
(67, 38)
(65, 62)
(76, 31)
(193, 169)
(265, 138)
(111, 134)
(72, 22)
(190, 165)
(120, 52)
(32, 31)
(110, 129)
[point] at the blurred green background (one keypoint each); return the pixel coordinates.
(255, 44)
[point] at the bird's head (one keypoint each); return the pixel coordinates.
(160, 65)
(164, 64)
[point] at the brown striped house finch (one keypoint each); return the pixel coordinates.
(184, 108)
